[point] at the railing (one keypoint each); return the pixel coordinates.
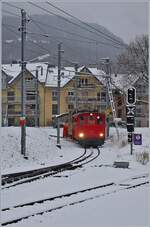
(18, 113)
(17, 100)
(14, 113)
(14, 99)
(71, 99)
(87, 86)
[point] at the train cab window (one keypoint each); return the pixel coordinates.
(75, 121)
(99, 120)
(81, 120)
(91, 120)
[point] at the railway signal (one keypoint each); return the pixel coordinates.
(130, 110)
(130, 137)
(131, 95)
(130, 113)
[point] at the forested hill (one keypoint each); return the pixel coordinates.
(76, 48)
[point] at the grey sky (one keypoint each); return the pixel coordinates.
(125, 19)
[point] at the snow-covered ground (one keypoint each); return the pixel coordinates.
(100, 208)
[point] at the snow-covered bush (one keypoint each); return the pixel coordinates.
(122, 142)
(142, 157)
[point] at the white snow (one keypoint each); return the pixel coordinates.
(103, 207)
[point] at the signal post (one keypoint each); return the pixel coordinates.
(130, 114)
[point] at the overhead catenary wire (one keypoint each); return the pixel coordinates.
(11, 5)
(86, 24)
(10, 13)
(98, 42)
(66, 38)
(8, 28)
(69, 21)
(73, 34)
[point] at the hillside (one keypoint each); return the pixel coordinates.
(76, 48)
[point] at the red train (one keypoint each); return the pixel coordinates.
(87, 128)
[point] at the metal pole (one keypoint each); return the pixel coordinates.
(58, 93)
(96, 54)
(107, 95)
(6, 116)
(132, 143)
(76, 80)
(36, 103)
(23, 92)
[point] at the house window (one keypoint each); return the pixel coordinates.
(30, 95)
(70, 106)
(103, 96)
(83, 82)
(11, 95)
(28, 79)
(70, 93)
(54, 95)
(11, 107)
(54, 109)
(98, 96)
(86, 81)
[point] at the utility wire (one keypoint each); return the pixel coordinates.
(74, 34)
(6, 3)
(8, 12)
(37, 24)
(98, 42)
(8, 28)
(65, 19)
(59, 37)
(90, 26)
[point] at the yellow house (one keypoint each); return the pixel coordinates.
(84, 90)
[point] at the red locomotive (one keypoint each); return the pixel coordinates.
(87, 128)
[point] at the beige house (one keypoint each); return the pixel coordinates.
(84, 90)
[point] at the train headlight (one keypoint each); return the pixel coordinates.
(81, 134)
(101, 134)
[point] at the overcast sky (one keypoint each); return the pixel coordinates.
(125, 19)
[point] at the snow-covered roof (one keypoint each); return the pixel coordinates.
(123, 81)
(48, 75)
(15, 69)
(67, 73)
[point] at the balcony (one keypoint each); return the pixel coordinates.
(86, 86)
(15, 113)
(97, 101)
(14, 100)
(30, 85)
(70, 99)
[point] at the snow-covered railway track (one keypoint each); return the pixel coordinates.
(58, 202)
(11, 180)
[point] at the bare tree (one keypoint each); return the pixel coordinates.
(134, 59)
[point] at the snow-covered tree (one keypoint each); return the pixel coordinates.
(134, 59)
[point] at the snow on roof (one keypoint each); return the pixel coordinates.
(15, 69)
(48, 75)
(123, 81)
(67, 73)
